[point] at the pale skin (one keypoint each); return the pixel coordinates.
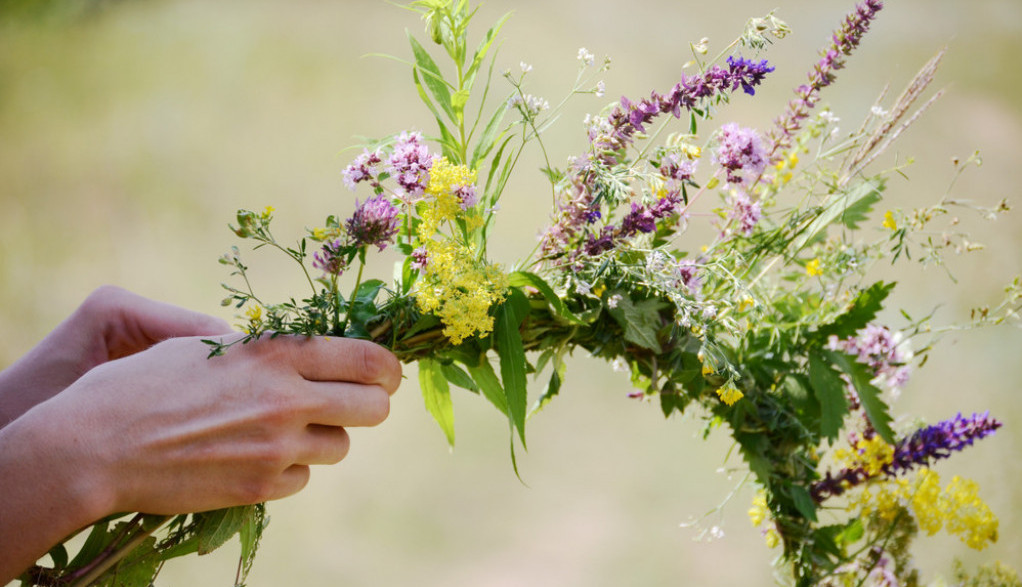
(119, 410)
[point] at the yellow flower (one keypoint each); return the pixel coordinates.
(758, 512)
(889, 221)
(729, 394)
(772, 538)
(813, 268)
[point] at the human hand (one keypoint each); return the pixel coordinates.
(167, 430)
(110, 323)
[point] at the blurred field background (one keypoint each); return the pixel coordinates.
(131, 131)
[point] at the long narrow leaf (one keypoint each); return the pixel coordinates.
(433, 79)
(436, 395)
(486, 378)
(512, 361)
(491, 134)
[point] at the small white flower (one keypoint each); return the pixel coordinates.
(586, 57)
(613, 301)
(601, 89)
(829, 116)
(878, 111)
(710, 312)
(582, 287)
(716, 532)
(526, 68)
(619, 364)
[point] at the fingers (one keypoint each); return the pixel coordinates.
(345, 404)
(346, 359)
(323, 445)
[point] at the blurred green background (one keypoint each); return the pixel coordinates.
(131, 131)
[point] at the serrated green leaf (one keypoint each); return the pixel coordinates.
(829, 389)
(640, 320)
(524, 278)
(137, 569)
(863, 310)
(457, 376)
(432, 78)
(836, 208)
(250, 534)
(436, 395)
(512, 357)
(217, 527)
(869, 395)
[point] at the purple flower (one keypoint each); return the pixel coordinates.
(687, 272)
(420, 258)
(744, 213)
(920, 448)
(676, 168)
(365, 167)
(409, 164)
(466, 195)
(330, 259)
(374, 222)
(747, 73)
(843, 42)
(740, 153)
(878, 347)
(641, 219)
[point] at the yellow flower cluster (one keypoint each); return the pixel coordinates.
(729, 394)
(957, 508)
(443, 203)
(784, 167)
(813, 268)
(456, 285)
(871, 455)
(758, 514)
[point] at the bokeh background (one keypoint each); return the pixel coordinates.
(131, 131)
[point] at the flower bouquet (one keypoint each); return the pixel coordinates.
(770, 329)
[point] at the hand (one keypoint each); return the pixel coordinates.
(167, 430)
(111, 323)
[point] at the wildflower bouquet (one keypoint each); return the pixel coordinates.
(770, 328)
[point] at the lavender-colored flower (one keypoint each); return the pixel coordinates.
(687, 272)
(641, 219)
(743, 213)
(610, 136)
(740, 153)
(420, 258)
(330, 259)
(365, 167)
(374, 222)
(843, 42)
(676, 168)
(922, 447)
(881, 349)
(410, 163)
(467, 196)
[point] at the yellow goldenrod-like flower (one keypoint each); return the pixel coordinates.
(813, 268)
(889, 221)
(729, 394)
(772, 538)
(870, 455)
(758, 513)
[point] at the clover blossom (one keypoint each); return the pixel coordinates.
(410, 163)
(365, 167)
(844, 41)
(375, 222)
(740, 153)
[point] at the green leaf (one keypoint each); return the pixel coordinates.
(137, 569)
(803, 502)
(250, 534)
(864, 309)
(368, 290)
(489, 385)
(869, 395)
(829, 389)
(456, 375)
(436, 394)
(640, 320)
(512, 357)
(490, 135)
(218, 526)
(482, 49)
(526, 279)
(837, 208)
(59, 555)
(852, 533)
(458, 101)
(434, 80)
(428, 102)
(98, 539)
(553, 386)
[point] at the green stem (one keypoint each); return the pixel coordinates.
(105, 563)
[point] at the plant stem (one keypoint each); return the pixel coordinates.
(108, 559)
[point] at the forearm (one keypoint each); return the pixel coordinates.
(47, 491)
